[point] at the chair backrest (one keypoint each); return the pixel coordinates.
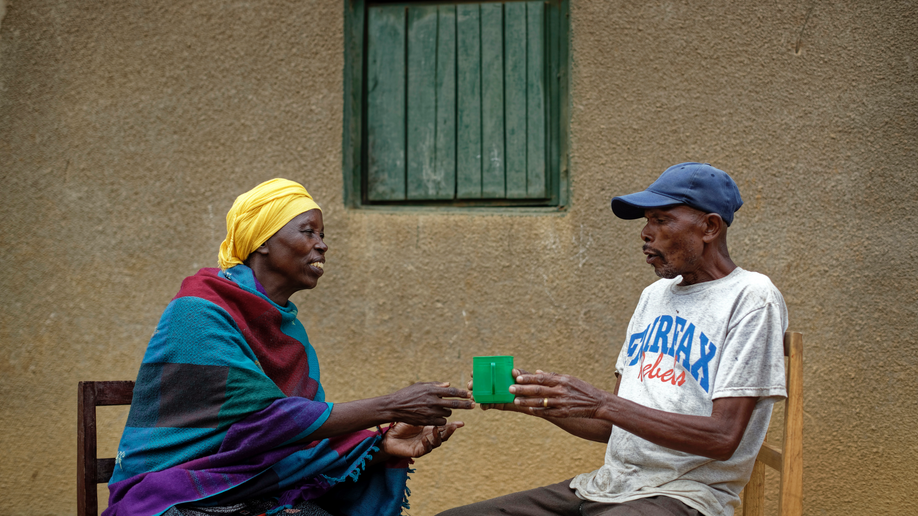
(789, 460)
(90, 469)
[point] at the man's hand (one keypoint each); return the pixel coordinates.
(404, 440)
(557, 395)
(592, 429)
(511, 407)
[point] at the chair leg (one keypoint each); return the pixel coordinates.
(754, 493)
(792, 465)
(87, 498)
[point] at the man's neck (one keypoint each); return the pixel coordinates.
(719, 266)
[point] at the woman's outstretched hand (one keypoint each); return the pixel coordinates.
(426, 403)
(404, 440)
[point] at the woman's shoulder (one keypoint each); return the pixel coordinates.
(204, 281)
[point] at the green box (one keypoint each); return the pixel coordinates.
(492, 377)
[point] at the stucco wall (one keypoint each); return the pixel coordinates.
(126, 130)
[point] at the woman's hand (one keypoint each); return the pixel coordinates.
(557, 395)
(426, 404)
(404, 440)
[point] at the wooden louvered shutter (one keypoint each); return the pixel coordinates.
(456, 102)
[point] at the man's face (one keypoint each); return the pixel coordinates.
(673, 240)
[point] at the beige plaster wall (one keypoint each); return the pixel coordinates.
(127, 128)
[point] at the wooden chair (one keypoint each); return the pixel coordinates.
(789, 461)
(90, 469)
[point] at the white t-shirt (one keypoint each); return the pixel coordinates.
(686, 347)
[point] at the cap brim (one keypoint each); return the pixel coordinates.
(632, 206)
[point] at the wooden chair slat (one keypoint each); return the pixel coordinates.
(114, 393)
(104, 470)
(771, 456)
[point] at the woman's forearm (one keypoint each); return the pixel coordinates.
(351, 416)
(419, 404)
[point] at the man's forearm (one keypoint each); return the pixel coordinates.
(591, 429)
(716, 436)
(597, 430)
(563, 397)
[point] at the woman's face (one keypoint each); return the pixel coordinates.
(296, 253)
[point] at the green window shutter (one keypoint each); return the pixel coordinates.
(536, 128)
(492, 101)
(424, 180)
(445, 151)
(386, 103)
(468, 107)
(456, 102)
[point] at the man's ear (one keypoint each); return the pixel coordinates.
(714, 226)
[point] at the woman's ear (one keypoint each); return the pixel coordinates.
(261, 250)
(253, 257)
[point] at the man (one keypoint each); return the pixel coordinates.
(698, 373)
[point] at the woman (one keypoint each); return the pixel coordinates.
(229, 415)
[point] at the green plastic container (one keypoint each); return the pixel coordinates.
(492, 377)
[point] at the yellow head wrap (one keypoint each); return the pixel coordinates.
(258, 214)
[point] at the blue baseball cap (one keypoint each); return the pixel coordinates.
(698, 185)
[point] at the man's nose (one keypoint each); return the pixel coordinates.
(645, 234)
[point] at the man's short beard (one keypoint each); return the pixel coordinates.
(666, 272)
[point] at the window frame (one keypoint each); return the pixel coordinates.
(354, 149)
